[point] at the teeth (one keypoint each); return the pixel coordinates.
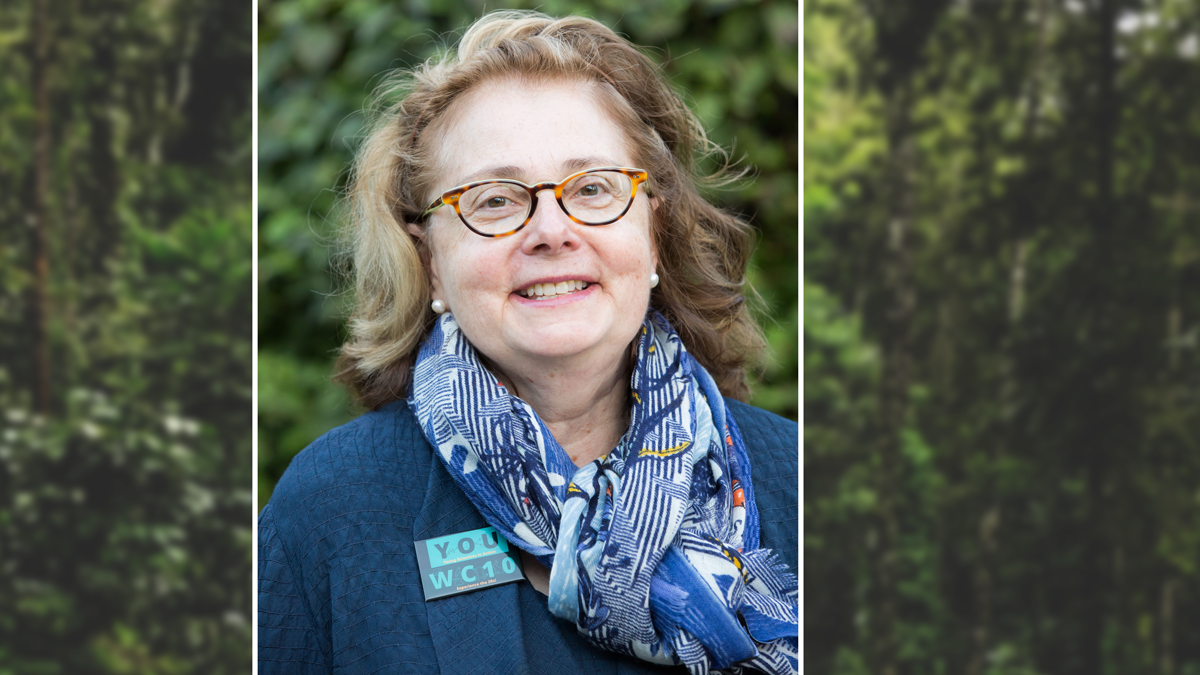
(545, 291)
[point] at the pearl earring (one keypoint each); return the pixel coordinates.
(438, 307)
(653, 280)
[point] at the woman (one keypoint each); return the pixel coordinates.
(548, 316)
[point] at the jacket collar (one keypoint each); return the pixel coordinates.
(473, 631)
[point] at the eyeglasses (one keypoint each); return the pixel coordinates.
(498, 208)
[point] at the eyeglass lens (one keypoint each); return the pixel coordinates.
(496, 208)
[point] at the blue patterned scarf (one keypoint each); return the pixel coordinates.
(653, 548)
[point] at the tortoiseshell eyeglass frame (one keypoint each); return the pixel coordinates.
(451, 197)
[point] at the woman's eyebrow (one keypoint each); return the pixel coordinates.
(580, 163)
(512, 172)
(508, 171)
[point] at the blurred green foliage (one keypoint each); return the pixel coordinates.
(735, 61)
(1002, 242)
(125, 508)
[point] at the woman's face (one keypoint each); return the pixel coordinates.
(535, 133)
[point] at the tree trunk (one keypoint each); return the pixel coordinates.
(104, 182)
(1166, 630)
(41, 191)
(1024, 216)
(1098, 591)
(1170, 583)
(896, 377)
(989, 522)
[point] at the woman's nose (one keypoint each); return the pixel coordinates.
(550, 230)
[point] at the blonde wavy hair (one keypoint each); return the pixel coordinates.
(703, 251)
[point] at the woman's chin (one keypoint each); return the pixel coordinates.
(561, 340)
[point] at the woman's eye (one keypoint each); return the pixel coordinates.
(590, 190)
(496, 202)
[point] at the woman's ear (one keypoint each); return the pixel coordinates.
(421, 238)
(653, 239)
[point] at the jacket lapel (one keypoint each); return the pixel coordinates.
(473, 632)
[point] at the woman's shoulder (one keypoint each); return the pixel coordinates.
(336, 553)
(765, 430)
(382, 452)
(773, 443)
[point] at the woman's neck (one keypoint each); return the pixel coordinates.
(585, 406)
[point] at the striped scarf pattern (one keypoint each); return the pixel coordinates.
(653, 548)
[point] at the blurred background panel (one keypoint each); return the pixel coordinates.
(1002, 337)
(735, 62)
(125, 336)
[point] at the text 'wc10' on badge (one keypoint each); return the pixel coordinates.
(465, 562)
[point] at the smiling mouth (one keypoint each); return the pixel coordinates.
(547, 291)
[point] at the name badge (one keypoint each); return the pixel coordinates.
(465, 562)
